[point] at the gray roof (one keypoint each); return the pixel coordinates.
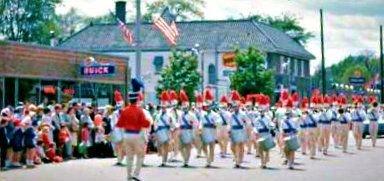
(219, 35)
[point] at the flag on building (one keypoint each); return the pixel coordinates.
(167, 26)
(126, 32)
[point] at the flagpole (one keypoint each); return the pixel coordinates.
(137, 38)
(138, 43)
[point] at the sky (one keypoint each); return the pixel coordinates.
(350, 26)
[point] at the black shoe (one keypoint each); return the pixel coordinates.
(118, 164)
(291, 168)
(135, 178)
(208, 166)
(162, 165)
(185, 165)
(237, 166)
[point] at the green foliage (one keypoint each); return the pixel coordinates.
(251, 75)
(182, 9)
(288, 24)
(367, 64)
(181, 73)
(28, 20)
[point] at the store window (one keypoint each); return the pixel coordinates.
(158, 62)
(9, 87)
(211, 74)
(49, 91)
(29, 91)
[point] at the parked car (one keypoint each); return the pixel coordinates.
(380, 130)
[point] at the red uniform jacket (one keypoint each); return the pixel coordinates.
(132, 118)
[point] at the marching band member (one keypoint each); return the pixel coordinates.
(289, 133)
(335, 124)
(186, 128)
(358, 116)
(132, 121)
(208, 127)
(117, 133)
(325, 126)
(344, 119)
(262, 128)
(251, 115)
(279, 118)
(174, 139)
(237, 134)
(223, 137)
(198, 110)
(373, 116)
(162, 128)
(304, 129)
(312, 129)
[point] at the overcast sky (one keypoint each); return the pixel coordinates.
(351, 26)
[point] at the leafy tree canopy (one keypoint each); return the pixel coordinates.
(366, 63)
(182, 9)
(28, 20)
(288, 24)
(251, 75)
(181, 73)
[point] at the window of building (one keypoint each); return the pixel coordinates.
(229, 60)
(158, 62)
(302, 65)
(306, 67)
(291, 66)
(299, 68)
(280, 65)
(211, 74)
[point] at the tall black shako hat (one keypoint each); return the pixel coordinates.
(137, 84)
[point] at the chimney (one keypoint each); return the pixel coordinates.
(120, 10)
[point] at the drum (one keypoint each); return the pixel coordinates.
(238, 135)
(292, 143)
(266, 143)
(208, 135)
(162, 136)
(186, 136)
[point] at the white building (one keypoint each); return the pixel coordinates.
(215, 41)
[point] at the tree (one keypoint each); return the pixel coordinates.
(182, 9)
(28, 20)
(251, 75)
(365, 63)
(288, 24)
(181, 73)
(70, 22)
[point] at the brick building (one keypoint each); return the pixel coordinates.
(33, 72)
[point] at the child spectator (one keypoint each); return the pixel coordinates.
(17, 143)
(40, 154)
(51, 154)
(29, 141)
(85, 141)
(65, 144)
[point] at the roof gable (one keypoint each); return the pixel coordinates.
(214, 35)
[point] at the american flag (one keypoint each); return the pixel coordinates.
(167, 28)
(127, 33)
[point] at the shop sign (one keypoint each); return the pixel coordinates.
(91, 67)
(357, 81)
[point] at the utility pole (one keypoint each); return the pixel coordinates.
(381, 66)
(323, 77)
(137, 37)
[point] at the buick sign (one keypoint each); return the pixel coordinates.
(93, 68)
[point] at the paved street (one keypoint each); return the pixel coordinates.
(366, 165)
